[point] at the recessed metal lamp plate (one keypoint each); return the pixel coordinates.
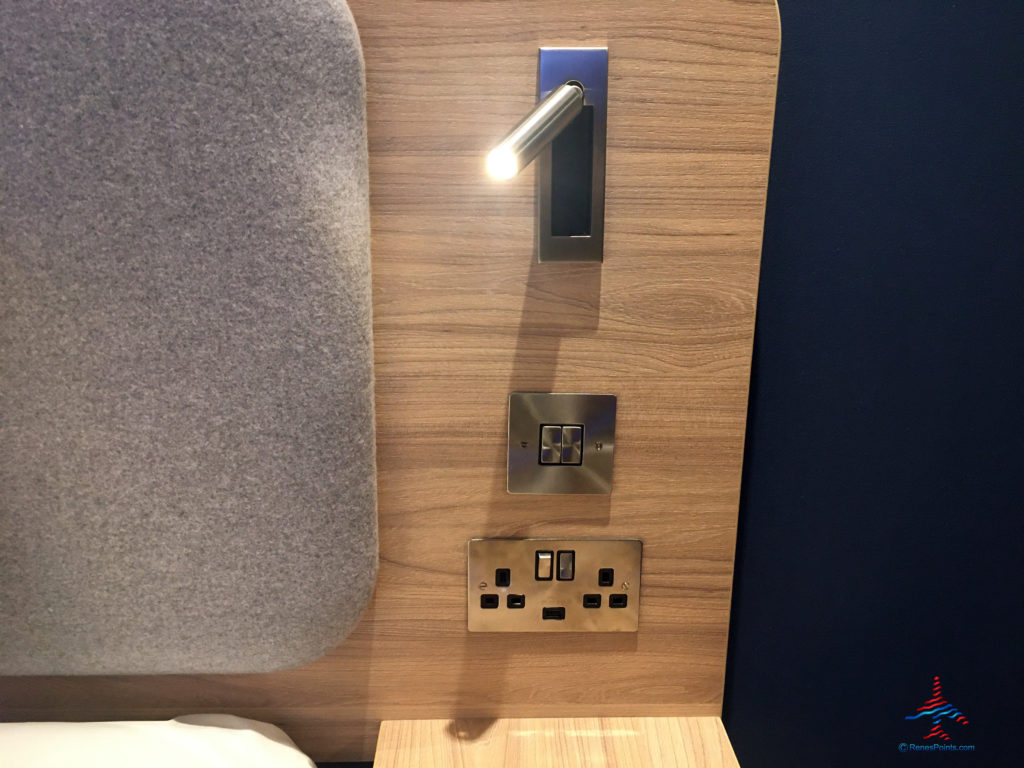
(589, 67)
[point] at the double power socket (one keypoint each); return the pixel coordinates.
(554, 585)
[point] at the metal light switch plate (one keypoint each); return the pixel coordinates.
(554, 585)
(560, 443)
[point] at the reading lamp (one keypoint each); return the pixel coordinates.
(566, 132)
(536, 131)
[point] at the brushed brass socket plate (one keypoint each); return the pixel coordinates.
(486, 556)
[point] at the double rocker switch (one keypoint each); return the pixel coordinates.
(561, 444)
(545, 565)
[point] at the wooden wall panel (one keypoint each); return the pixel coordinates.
(464, 315)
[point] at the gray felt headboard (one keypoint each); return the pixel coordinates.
(187, 467)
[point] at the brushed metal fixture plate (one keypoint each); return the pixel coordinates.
(589, 471)
(522, 603)
(589, 67)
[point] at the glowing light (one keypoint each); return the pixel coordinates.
(502, 163)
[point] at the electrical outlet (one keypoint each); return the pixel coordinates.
(554, 585)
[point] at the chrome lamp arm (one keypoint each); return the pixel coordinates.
(535, 131)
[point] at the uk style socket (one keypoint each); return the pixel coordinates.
(554, 585)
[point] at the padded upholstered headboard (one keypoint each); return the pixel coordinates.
(187, 475)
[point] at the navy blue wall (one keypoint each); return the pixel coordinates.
(882, 517)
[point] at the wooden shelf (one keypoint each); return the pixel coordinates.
(583, 742)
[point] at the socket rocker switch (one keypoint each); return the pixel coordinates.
(566, 565)
(543, 564)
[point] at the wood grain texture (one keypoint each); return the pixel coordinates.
(622, 742)
(464, 315)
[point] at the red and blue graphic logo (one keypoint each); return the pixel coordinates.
(938, 709)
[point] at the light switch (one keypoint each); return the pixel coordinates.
(560, 442)
(545, 562)
(550, 444)
(572, 445)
